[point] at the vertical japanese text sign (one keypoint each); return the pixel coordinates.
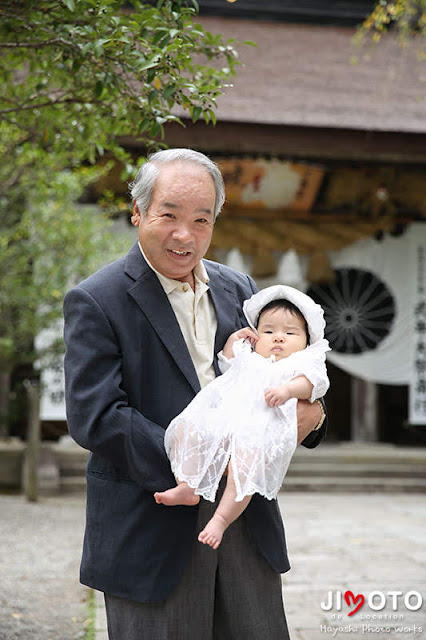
(418, 375)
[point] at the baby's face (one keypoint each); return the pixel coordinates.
(280, 334)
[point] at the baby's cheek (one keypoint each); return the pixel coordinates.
(262, 347)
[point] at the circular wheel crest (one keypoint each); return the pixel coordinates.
(358, 308)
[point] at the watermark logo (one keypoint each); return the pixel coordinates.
(376, 612)
(375, 600)
(348, 596)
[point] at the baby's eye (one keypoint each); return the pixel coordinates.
(267, 331)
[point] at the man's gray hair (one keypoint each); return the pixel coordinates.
(143, 185)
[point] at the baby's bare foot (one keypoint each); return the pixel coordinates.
(212, 533)
(180, 495)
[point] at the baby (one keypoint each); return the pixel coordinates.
(245, 420)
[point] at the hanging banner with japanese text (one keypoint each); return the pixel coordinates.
(376, 313)
(52, 401)
(417, 414)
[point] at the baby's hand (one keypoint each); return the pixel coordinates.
(228, 351)
(277, 395)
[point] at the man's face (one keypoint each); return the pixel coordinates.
(280, 334)
(176, 231)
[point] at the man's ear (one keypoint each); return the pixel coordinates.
(136, 217)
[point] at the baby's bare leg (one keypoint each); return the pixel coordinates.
(182, 494)
(227, 511)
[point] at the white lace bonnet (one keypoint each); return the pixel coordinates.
(312, 312)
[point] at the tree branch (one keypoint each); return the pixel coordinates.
(50, 103)
(28, 45)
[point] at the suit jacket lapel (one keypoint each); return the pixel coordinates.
(149, 295)
(226, 306)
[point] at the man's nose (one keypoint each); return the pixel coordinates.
(182, 233)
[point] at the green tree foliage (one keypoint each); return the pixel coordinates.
(76, 76)
(408, 16)
(51, 245)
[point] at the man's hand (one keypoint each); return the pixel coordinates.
(228, 351)
(308, 416)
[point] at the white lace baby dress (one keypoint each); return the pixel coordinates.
(229, 420)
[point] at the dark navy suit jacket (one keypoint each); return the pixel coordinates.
(128, 372)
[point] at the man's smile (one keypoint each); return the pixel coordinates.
(179, 253)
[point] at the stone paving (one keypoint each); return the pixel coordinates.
(363, 543)
(40, 546)
(369, 544)
(100, 617)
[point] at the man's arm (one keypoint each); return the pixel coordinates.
(308, 417)
(99, 416)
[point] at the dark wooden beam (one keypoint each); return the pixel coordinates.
(309, 143)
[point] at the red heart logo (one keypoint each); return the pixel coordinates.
(359, 597)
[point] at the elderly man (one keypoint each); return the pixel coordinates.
(142, 336)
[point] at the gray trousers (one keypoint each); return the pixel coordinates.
(228, 594)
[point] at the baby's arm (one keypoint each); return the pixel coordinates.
(228, 351)
(299, 388)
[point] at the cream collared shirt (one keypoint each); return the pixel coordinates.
(196, 317)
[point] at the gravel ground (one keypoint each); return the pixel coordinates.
(40, 548)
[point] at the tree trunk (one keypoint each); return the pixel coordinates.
(4, 403)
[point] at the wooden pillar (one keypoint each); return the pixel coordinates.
(32, 453)
(364, 427)
(4, 403)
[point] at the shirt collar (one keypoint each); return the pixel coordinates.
(200, 275)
